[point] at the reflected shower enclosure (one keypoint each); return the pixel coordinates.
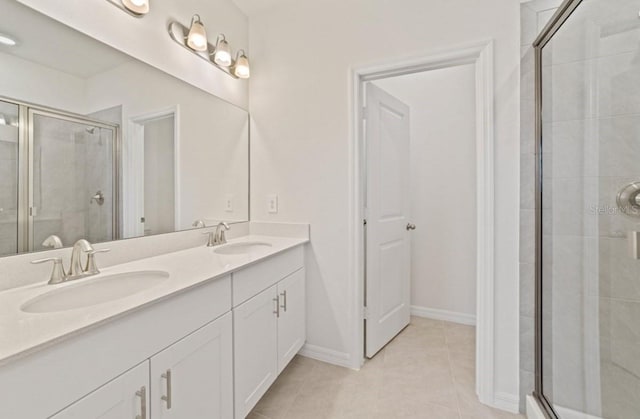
(67, 183)
(588, 211)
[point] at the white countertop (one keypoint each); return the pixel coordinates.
(22, 333)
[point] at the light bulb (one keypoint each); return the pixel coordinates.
(222, 55)
(197, 38)
(241, 68)
(138, 7)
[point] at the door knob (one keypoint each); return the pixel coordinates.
(411, 226)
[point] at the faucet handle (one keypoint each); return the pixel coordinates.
(57, 274)
(92, 268)
(211, 241)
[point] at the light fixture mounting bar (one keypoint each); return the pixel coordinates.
(179, 33)
(120, 6)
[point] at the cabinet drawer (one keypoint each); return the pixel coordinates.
(257, 278)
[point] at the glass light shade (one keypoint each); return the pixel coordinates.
(222, 56)
(7, 40)
(139, 7)
(197, 38)
(241, 68)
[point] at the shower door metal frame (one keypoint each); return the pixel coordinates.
(69, 117)
(559, 18)
(25, 165)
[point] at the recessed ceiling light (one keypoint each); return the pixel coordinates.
(7, 40)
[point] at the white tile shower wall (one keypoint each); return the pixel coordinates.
(8, 188)
(590, 152)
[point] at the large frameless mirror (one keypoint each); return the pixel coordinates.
(96, 144)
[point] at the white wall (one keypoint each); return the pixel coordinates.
(35, 83)
(300, 102)
(148, 40)
(443, 187)
(211, 166)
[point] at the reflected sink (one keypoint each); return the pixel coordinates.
(241, 248)
(95, 291)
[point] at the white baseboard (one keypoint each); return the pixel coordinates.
(446, 315)
(329, 356)
(566, 413)
(506, 401)
(533, 409)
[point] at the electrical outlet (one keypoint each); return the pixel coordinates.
(228, 206)
(272, 204)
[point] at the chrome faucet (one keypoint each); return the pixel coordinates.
(219, 238)
(76, 270)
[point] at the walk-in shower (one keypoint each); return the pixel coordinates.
(588, 211)
(59, 178)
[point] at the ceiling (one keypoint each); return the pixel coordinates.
(252, 7)
(52, 44)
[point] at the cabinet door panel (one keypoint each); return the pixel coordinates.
(255, 349)
(118, 399)
(292, 321)
(195, 375)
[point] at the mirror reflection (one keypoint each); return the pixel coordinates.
(95, 144)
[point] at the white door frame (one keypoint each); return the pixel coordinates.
(481, 55)
(171, 111)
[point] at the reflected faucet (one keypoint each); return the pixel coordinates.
(53, 242)
(198, 224)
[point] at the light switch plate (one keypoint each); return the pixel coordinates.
(228, 203)
(272, 204)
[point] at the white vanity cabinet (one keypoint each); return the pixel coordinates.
(269, 328)
(124, 397)
(193, 378)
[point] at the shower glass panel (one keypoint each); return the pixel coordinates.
(9, 134)
(589, 300)
(72, 194)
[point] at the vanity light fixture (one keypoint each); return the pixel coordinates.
(139, 7)
(197, 38)
(136, 8)
(241, 67)
(194, 39)
(222, 52)
(8, 40)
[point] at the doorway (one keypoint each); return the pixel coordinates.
(480, 57)
(152, 159)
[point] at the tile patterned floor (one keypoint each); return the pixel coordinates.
(426, 372)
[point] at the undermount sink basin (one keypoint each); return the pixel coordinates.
(95, 291)
(241, 248)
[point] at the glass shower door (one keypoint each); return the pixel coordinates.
(590, 211)
(9, 140)
(72, 179)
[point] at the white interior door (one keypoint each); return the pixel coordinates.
(387, 137)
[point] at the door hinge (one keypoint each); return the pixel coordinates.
(365, 313)
(365, 112)
(364, 222)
